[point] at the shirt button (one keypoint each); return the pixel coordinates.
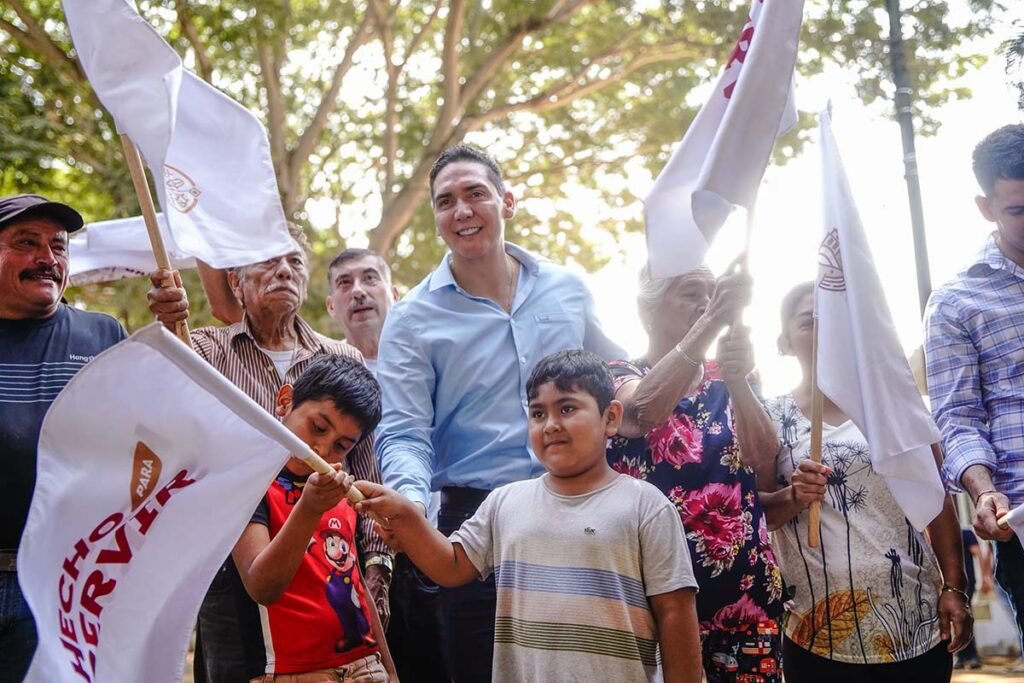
(522, 359)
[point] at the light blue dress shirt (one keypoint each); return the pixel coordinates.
(974, 346)
(453, 369)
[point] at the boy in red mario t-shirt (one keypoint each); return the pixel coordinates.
(297, 555)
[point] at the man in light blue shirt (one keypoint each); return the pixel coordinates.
(453, 362)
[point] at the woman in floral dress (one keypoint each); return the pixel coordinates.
(696, 430)
(876, 601)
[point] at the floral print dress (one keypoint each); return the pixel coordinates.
(694, 458)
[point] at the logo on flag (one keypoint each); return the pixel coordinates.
(181, 189)
(830, 262)
(145, 473)
(861, 366)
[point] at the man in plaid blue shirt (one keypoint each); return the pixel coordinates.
(975, 352)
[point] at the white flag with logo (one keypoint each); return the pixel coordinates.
(150, 465)
(116, 249)
(861, 365)
(209, 156)
(726, 149)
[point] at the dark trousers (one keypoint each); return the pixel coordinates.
(416, 630)
(1010, 576)
(17, 630)
(802, 666)
(468, 610)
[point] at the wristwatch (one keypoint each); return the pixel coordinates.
(381, 559)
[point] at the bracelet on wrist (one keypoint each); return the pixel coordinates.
(686, 357)
(946, 588)
(983, 493)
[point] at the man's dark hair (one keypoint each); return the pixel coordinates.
(1000, 156)
(467, 153)
(352, 254)
(574, 369)
(791, 299)
(345, 382)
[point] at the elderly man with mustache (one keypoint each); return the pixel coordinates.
(43, 343)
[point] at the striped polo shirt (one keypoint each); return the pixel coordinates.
(574, 574)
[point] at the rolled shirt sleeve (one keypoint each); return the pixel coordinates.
(956, 395)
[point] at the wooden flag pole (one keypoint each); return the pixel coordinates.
(156, 239)
(354, 496)
(817, 405)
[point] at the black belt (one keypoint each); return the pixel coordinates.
(462, 496)
(8, 561)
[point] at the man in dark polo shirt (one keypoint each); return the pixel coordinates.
(43, 343)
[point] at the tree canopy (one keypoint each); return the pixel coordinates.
(360, 97)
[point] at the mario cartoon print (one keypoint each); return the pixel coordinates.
(343, 594)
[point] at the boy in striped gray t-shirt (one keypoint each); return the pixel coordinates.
(592, 567)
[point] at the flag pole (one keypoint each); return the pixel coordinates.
(156, 239)
(817, 405)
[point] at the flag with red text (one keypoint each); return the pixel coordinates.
(724, 153)
(150, 465)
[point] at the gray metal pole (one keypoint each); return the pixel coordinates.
(904, 115)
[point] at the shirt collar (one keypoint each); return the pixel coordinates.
(443, 277)
(307, 337)
(991, 259)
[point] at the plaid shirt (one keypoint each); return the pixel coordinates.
(974, 344)
(234, 353)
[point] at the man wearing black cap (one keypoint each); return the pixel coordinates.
(43, 342)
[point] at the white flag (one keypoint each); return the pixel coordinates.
(113, 250)
(861, 366)
(150, 465)
(209, 156)
(1015, 518)
(725, 150)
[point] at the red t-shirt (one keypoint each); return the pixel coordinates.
(321, 621)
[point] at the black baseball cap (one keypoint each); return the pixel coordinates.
(25, 206)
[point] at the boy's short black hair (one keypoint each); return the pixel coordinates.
(467, 153)
(574, 369)
(345, 382)
(1000, 156)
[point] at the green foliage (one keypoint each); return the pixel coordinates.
(574, 100)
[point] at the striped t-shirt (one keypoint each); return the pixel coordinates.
(573, 575)
(37, 359)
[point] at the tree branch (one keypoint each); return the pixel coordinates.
(275, 113)
(499, 56)
(188, 28)
(570, 89)
(420, 34)
(450, 73)
(384, 17)
(36, 38)
(307, 142)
